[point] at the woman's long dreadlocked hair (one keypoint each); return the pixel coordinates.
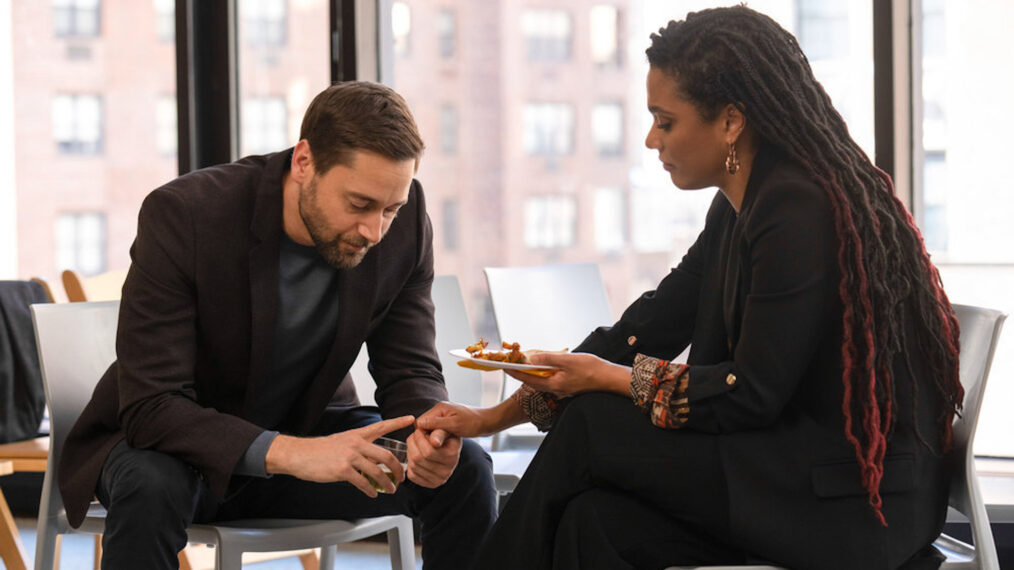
(736, 55)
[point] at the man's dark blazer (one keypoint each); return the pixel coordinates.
(197, 321)
(756, 299)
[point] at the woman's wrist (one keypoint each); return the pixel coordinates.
(614, 378)
(506, 414)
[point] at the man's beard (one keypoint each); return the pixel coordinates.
(329, 248)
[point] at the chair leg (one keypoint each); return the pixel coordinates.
(228, 557)
(12, 551)
(56, 551)
(402, 546)
(184, 560)
(46, 555)
(327, 556)
(98, 551)
(309, 560)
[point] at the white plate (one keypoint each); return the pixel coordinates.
(463, 354)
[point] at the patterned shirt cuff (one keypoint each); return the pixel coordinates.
(659, 388)
(540, 407)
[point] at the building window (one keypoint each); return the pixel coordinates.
(76, 18)
(165, 20)
(450, 224)
(823, 28)
(264, 123)
(550, 221)
(610, 214)
(449, 128)
(81, 242)
(446, 33)
(547, 34)
(77, 124)
(548, 129)
(605, 35)
(607, 128)
(264, 21)
(401, 28)
(166, 134)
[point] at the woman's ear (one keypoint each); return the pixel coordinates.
(733, 121)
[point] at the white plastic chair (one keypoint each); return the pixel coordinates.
(550, 307)
(980, 332)
(464, 385)
(76, 344)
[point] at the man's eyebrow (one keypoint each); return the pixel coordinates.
(369, 200)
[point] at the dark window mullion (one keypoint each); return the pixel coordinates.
(206, 74)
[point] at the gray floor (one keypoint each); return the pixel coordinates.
(76, 554)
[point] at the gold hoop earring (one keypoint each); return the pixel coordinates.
(731, 160)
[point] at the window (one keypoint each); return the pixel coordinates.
(449, 128)
(610, 215)
(90, 136)
(550, 221)
(264, 21)
(550, 113)
(81, 242)
(446, 34)
(166, 133)
(263, 125)
(548, 128)
(401, 28)
(277, 81)
(823, 28)
(165, 20)
(963, 197)
(605, 35)
(450, 224)
(547, 35)
(607, 128)
(77, 124)
(76, 18)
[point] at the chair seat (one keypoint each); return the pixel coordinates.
(27, 455)
(264, 535)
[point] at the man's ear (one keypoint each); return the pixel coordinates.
(734, 121)
(302, 169)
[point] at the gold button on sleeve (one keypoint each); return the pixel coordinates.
(631, 340)
(730, 379)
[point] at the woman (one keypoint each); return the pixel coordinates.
(807, 427)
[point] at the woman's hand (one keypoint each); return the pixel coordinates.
(457, 419)
(576, 373)
(464, 421)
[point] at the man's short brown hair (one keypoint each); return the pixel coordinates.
(359, 115)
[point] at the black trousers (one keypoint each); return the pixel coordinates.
(152, 497)
(607, 490)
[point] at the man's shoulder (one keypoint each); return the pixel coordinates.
(233, 176)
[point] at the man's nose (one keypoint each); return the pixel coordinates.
(371, 226)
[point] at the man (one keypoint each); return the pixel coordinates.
(252, 287)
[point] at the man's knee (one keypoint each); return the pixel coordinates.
(474, 463)
(150, 482)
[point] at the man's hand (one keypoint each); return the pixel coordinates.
(344, 456)
(432, 457)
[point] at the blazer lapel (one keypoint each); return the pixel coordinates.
(265, 228)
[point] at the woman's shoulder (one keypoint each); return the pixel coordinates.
(787, 188)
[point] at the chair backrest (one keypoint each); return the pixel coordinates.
(102, 287)
(77, 343)
(454, 330)
(980, 332)
(548, 306)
